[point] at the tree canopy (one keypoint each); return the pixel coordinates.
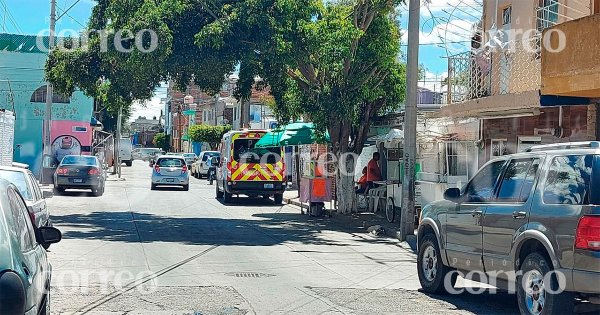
(333, 62)
(209, 134)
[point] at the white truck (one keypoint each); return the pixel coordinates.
(125, 151)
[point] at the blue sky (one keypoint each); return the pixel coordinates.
(441, 23)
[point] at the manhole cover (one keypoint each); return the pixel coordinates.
(249, 275)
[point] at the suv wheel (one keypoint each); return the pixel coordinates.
(531, 289)
(431, 269)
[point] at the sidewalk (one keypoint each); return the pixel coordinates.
(364, 222)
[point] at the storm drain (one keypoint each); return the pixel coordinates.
(249, 275)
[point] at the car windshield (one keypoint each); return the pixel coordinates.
(18, 179)
(170, 162)
(245, 152)
(208, 155)
(79, 160)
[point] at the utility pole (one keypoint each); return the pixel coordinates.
(49, 94)
(118, 141)
(407, 227)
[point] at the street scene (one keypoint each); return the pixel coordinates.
(299, 157)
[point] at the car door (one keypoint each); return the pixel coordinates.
(464, 229)
(32, 260)
(508, 214)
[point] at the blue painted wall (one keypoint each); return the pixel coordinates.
(23, 73)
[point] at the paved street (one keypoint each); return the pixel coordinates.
(139, 251)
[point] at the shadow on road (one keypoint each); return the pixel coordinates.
(265, 230)
(487, 302)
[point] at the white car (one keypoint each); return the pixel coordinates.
(170, 170)
(144, 153)
(200, 167)
(35, 198)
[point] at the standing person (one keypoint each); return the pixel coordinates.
(373, 170)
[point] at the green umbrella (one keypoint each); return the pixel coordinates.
(292, 134)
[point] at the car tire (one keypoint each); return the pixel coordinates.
(219, 194)
(98, 191)
(129, 163)
(152, 187)
(431, 269)
(227, 197)
(186, 187)
(278, 199)
(45, 309)
(58, 190)
(534, 270)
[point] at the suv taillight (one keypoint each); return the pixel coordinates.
(588, 233)
(184, 169)
(157, 168)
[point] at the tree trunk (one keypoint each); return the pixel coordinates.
(346, 198)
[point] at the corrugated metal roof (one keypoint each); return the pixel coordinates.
(24, 43)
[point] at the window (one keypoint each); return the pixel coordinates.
(79, 160)
(518, 180)
(507, 15)
(208, 155)
(36, 188)
(39, 96)
(18, 179)
(23, 228)
(569, 180)
(498, 147)
(170, 162)
(456, 153)
(481, 188)
(547, 14)
(244, 152)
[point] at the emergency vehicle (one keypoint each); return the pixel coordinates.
(246, 170)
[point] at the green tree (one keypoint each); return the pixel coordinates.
(335, 63)
(160, 141)
(208, 134)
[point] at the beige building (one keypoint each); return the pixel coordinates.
(513, 81)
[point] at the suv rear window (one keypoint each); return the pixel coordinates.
(569, 180)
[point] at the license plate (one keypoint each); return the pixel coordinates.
(269, 186)
(77, 180)
(170, 180)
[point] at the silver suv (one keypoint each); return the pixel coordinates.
(527, 222)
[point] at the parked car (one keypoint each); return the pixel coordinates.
(190, 158)
(529, 221)
(125, 151)
(30, 190)
(25, 272)
(170, 170)
(80, 172)
(144, 153)
(200, 167)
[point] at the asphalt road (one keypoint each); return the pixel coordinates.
(137, 251)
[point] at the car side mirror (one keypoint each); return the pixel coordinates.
(49, 235)
(47, 194)
(452, 194)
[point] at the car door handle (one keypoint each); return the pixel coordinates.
(477, 213)
(519, 214)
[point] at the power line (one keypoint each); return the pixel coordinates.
(11, 18)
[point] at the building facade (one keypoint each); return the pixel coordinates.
(499, 81)
(23, 91)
